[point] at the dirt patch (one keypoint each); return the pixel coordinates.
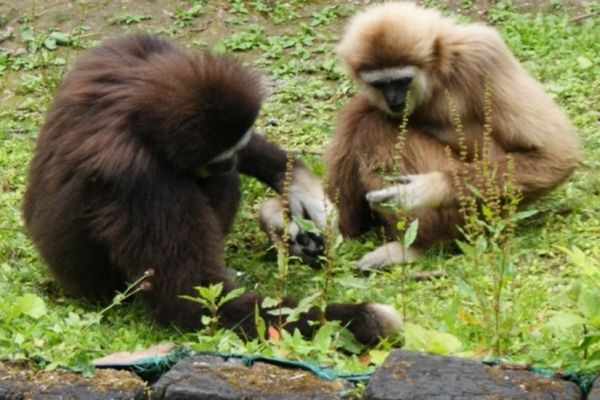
(110, 17)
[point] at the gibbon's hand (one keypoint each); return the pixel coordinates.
(413, 192)
(307, 198)
(305, 245)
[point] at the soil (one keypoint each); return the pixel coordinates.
(100, 15)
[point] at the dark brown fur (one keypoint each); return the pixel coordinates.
(457, 62)
(113, 190)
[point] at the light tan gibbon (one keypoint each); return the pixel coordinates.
(396, 48)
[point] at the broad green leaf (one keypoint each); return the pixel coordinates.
(31, 305)
(306, 225)
(521, 215)
(270, 302)
(411, 233)
(589, 340)
(353, 282)
(565, 321)
(421, 339)
(27, 34)
(378, 356)
(50, 43)
(206, 320)
(348, 342)
(303, 306)
(281, 311)
(443, 343)
(415, 337)
(231, 295)
(584, 62)
(60, 38)
(465, 247)
(589, 303)
(259, 322)
(210, 293)
(323, 337)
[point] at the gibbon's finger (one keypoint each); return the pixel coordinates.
(402, 179)
(307, 198)
(427, 190)
(312, 205)
(387, 255)
(386, 194)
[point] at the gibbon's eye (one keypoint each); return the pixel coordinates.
(404, 82)
(379, 84)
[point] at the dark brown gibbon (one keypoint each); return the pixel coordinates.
(396, 48)
(137, 168)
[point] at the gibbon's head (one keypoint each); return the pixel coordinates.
(195, 110)
(390, 49)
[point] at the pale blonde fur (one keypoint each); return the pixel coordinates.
(459, 63)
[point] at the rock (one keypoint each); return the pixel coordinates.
(19, 382)
(407, 375)
(594, 393)
(214, 378)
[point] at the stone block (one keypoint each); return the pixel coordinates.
(19, 382)
(410, 376)
(214, 378)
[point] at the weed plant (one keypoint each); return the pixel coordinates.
(490, 215)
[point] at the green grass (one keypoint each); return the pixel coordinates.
(551, 311)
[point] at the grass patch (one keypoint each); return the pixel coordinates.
(551, 312)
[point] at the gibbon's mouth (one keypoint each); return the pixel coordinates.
(219, 167)
(396, 108)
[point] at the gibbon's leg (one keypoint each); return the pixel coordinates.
(367, 321)
(435, 226)
(423, 156)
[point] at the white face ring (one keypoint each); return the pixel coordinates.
(235, 148)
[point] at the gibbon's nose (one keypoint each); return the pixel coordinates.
(395, 96)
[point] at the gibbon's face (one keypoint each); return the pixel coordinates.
(226, 161)
(388, 88)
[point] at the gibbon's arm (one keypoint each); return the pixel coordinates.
(535, 173)
(267, 162)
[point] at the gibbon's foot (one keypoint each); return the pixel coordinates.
(307, 246)
(412, 192)
(386, 255)
(369, 322)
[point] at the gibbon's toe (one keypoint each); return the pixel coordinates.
(387, 318)
(387, 255)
